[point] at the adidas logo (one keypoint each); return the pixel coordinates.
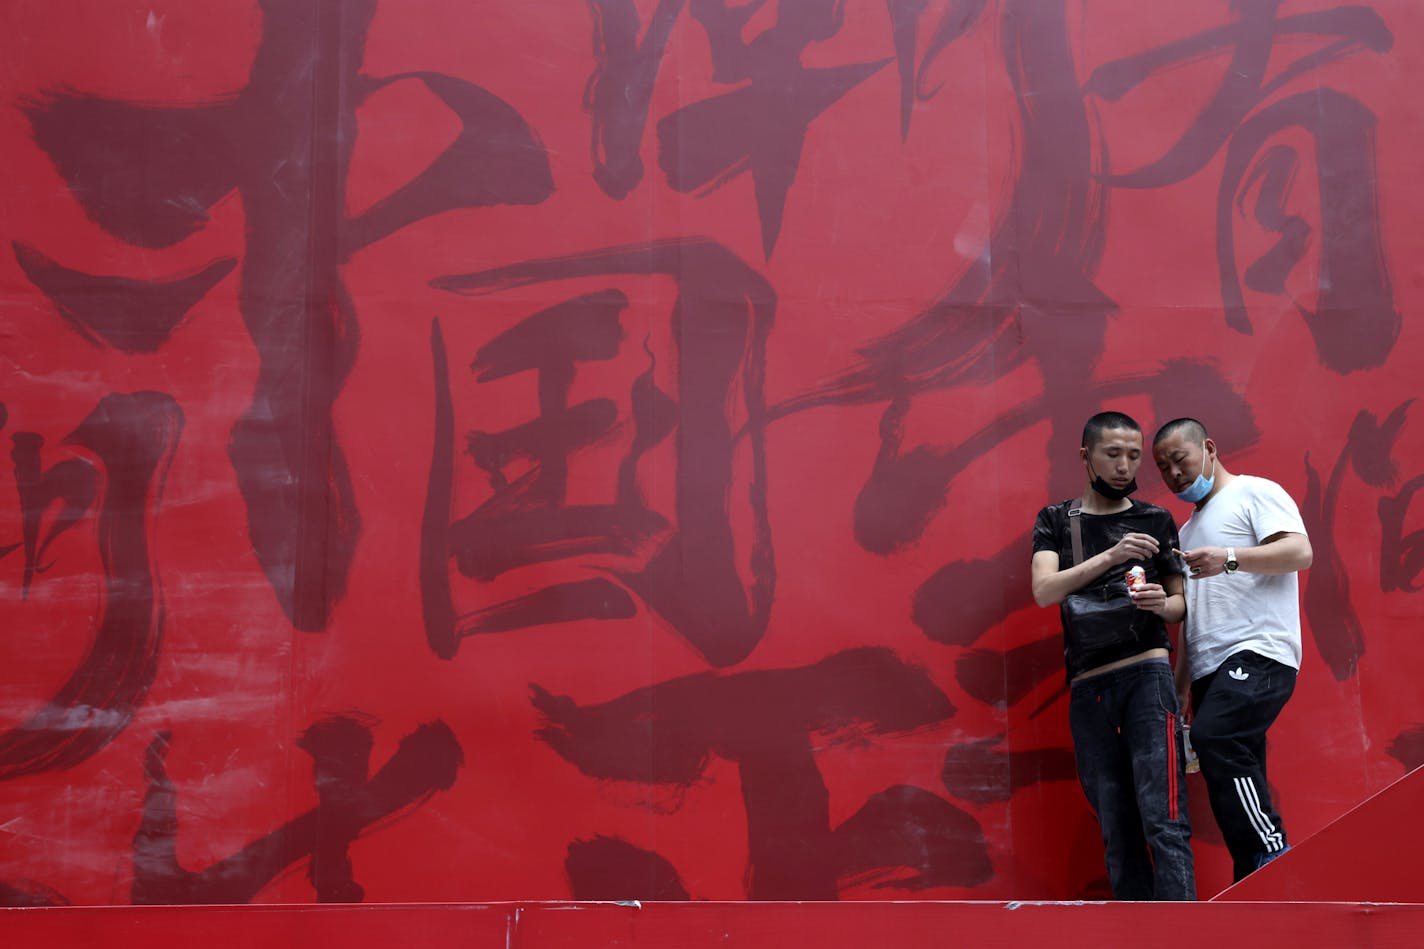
(1238, 675)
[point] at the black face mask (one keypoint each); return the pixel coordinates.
(1107, 490)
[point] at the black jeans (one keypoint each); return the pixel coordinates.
(1231, 710)
(1127, 738)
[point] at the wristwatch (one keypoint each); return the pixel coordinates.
(1231, 564)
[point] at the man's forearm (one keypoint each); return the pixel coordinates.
(1051, 586)
(1278, 554)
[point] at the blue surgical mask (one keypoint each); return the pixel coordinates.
(1199, 488)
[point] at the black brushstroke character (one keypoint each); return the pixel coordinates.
(1334, 622)
(350, 803)
(690, 576)
(760, 127)
(148, 175)
(132, 439)
(769, 723)
(1353, 319)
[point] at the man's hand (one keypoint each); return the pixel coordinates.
(1205, 562)
(1150, 597)
(1134, 546)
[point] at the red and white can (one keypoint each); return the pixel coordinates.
(1136, 576)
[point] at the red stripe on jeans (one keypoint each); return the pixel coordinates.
(1171, 766)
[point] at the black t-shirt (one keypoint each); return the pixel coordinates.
(1101, 531)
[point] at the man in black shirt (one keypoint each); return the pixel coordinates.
(1127, 736)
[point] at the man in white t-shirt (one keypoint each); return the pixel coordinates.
(1243, 546)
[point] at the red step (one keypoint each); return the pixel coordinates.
(1371, 854)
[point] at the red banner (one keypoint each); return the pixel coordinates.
(589, 449)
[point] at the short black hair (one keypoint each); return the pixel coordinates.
(1190, 429)
(1093, 429)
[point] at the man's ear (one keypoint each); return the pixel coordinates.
(1209, 447)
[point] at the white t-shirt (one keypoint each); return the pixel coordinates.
(1234, 611)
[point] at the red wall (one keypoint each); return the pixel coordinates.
(487, 451)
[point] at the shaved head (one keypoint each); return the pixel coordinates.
(1189, 428)
(1093, 430)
